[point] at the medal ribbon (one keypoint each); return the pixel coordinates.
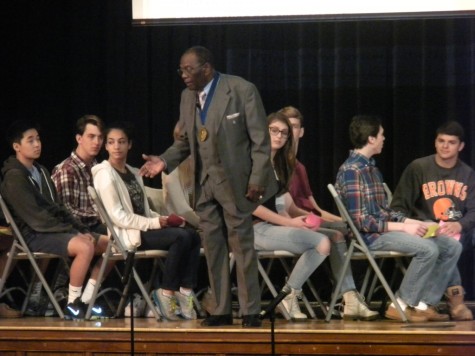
(204, 111)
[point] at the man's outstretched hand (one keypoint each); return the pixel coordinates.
(254, 192)
(153, 165)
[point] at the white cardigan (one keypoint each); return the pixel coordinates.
(115, 197)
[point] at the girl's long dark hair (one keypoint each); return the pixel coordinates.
(284, 159)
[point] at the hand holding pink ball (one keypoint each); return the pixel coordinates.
(313, 220)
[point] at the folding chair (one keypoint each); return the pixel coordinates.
(265, 272)
(389, 194)
(358, 250)
(21, 251)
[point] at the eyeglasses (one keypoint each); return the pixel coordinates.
(274, 131)
(188, 70)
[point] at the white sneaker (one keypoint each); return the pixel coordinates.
(138, 304)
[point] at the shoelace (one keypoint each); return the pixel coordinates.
(294, 304)
(362, 299)
(173, 305)
(189, 301)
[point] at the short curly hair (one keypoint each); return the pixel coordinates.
(362, 127)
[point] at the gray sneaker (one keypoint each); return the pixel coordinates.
(138, 305)
(186, 305)
(166, 304)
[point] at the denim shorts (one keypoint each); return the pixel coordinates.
(51, 242)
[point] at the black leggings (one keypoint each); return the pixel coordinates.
(181, 265)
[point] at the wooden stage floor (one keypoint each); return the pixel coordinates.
(53, 336)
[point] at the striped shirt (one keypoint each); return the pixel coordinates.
(71, 178)
(360, 186)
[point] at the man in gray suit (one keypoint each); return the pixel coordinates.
(224, 128)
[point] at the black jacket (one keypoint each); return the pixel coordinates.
(32, 208)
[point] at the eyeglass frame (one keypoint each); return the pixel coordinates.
(189, 70)
(274, 131)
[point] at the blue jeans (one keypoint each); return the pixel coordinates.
(431, 269)
(466, 264)
(304, 242)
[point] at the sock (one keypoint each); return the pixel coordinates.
(87, 294)
(185, 291)
(168, 293)
(401, 303)
(73, 293)
(421, 306)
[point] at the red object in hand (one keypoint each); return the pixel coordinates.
(313, 220)
(174, 220)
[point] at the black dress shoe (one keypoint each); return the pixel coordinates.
(251, 321)
(218, 320)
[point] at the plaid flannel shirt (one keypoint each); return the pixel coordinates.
(360, 186)
(71, 178)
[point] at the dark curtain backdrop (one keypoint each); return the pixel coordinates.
(79, 57)
(62, 59)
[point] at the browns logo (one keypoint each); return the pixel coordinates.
(444, 209)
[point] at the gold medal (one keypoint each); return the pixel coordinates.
(203, 134)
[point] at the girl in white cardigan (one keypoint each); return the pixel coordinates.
(122, 192)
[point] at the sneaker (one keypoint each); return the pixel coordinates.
(167, 305)
(74, 310)
(412, 315)
(61, 296)
(40, 307)
(186, 305)
(138, 304)
(97, 312)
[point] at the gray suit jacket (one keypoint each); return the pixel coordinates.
(237, 119)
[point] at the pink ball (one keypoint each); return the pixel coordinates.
(175, 220)
(313, 220)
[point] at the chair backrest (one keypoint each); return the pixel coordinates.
(347, 218)
(107, 220)
(389, 193)
(156, 200)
